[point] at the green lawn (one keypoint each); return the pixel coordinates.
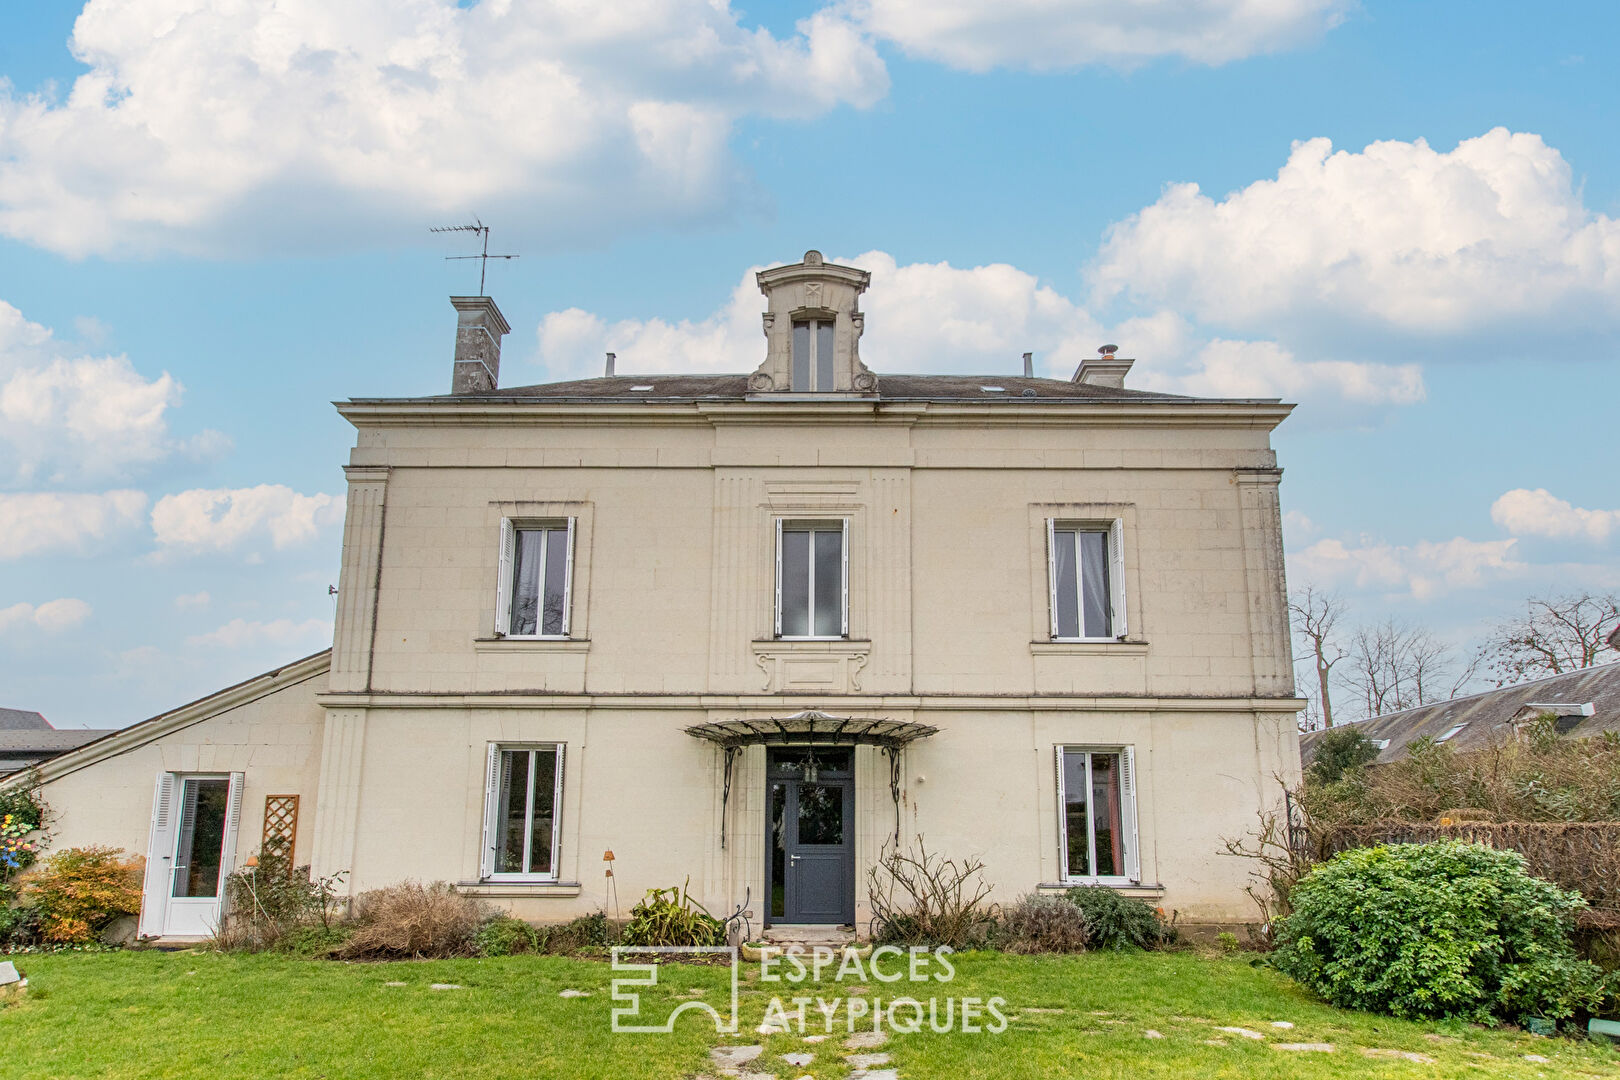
(150, 1014)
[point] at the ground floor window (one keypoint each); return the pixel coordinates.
(520, 822)
(1097, 813)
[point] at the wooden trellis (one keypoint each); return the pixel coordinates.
(280, 827)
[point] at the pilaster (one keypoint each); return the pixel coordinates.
(358, 579)
(1267, 587)
(337, 799)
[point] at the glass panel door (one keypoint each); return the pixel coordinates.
(201, 841)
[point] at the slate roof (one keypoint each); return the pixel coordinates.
(22, 720)
(940, 388)
(22, 747)
(1488, 715)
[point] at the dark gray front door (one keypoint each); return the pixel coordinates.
(811, 846)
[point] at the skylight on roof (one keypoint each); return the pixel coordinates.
(994, 389)
(641, 388)
(1382, 744)
(1448, 736)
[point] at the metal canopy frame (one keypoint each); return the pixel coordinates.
(807, 728)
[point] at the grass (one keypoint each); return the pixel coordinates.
(150, 1014)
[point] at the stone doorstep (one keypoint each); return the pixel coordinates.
(809, 936)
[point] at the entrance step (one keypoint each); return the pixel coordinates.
(809, 935)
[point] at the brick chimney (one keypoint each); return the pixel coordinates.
(479, 329)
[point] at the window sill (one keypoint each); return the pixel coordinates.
(531, 644)
(559, 889)
(1089, 647)
(1135, 890)
(826, 645)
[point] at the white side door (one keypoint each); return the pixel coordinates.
(205, 814)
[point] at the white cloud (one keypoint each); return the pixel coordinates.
(73, 418)
(1044, 34)
(190, 601)
(238, 633)
(1266, 369)
(41, 522)
(1398, 235)
(935, 317)
(1523, 512)
(1424, 569)
(220, 519)
(211, 124)
(52, 617)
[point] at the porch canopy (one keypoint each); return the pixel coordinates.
(812, 727)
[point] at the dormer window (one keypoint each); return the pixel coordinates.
(813, 355)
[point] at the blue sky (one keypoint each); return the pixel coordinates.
(213, 222)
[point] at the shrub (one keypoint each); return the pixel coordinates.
(1042, 924)
(1119, 922)
(585, 932)
(927, 899)
(23, 819)
(672, 917)
(1228, 942)
(1339, 751)
(269, 903)
(19, 926)
(78, 891)
(412, 920)
(313, 940)
(505, 936)
(1436, 930)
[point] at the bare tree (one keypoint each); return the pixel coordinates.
(1555, 634)
(1394, 666)
(1315, 617)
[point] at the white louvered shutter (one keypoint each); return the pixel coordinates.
(503, 579)
(845, 630)
(557, 814)
(568, 580)
(159, 857)
(1133, 855)
(778, 577)
(1116, 576)
(1051, 582)
(492, 787)
(233, 825)
(1062, 821)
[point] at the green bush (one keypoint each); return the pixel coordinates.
(506, 936)
(314, 940)
(272, 907)
(672, 917)
(1338, 751)
(587, 931)
(1119, 922)
(1042, 924)
(1437, 930)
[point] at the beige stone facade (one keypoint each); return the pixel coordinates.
(671, 501)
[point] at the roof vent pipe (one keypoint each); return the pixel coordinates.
(1029, 365)
(608, 372)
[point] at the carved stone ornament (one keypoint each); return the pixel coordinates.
(865, 381)
(760, 381)
(812, 294)
(769, 318)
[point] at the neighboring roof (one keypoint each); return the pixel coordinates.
(23, 720)
(112, 743)
(54, 741)
(1489, 715)
(941, 388)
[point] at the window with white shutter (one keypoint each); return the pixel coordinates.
(1086, 580)
(522, 804)
(535, 583)
(1097, 815)
(812, 579)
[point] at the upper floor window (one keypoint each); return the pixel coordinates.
(536, 578)
(1097, 814)
(813, 355)
(1086, 568)
(812, 579)
(523, 791)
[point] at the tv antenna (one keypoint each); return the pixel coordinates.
(483, 256)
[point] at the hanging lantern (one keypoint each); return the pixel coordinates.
(812, 768)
